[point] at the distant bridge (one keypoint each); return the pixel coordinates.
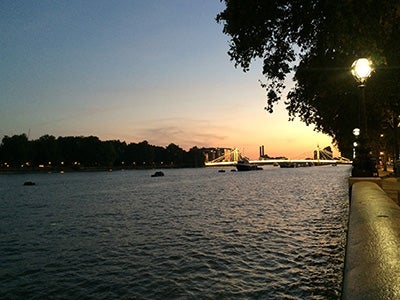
(277, 161)
(231, 158)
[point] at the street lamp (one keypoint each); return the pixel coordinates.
(361, 70)
(356, 132)
(363, 165)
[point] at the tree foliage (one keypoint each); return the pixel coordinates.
(90, 152)
(316, 42)
(15, 149)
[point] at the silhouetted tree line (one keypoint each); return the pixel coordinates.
(89, 152)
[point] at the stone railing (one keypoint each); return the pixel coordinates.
(372, 263)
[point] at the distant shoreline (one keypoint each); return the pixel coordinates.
(82, 169)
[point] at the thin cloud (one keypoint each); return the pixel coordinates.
(190, 133)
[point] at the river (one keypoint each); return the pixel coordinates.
(192, 234)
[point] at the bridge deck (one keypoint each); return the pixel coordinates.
(273, 161)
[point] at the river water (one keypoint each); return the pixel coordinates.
(192, 234)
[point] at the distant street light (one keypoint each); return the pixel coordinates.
(356, 133)
(354, 149)
(363, 165)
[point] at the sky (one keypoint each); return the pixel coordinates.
(134, 70)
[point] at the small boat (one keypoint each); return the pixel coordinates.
(158, 174)
(29, 183)
(245, 165)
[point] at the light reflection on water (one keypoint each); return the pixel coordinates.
(271, 234)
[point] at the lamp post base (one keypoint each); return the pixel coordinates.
(364, 166)
(358, 172)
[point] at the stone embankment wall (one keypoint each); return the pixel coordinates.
(372, 264)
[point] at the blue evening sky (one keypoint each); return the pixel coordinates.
(135, 70)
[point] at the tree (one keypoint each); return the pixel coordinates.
(317, 41)
(90, 150)
(119, 148)
(69, 149)
(175, 155)
(45, 150)
(15, 150)
(194, 158)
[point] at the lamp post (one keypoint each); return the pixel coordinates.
(363, 165)
(354, 149)
(361, 70)
(356, 133)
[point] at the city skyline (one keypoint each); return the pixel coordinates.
(135, 71)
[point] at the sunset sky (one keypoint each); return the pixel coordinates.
(136, 70)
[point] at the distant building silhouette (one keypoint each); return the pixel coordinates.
(209, 154)
(262, 153)
(214, 153)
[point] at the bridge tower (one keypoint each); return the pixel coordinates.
(236, 155)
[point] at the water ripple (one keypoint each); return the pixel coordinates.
(273, 234)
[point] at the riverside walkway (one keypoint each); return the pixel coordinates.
(390, 184)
